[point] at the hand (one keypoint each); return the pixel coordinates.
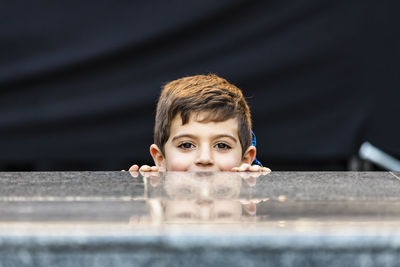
(144, 168)
(146, 171)
(251, 173)
(242, 168)
(251, 168)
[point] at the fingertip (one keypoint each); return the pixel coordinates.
(144, 168)
(247, 167)
(255, 168)
(154, 168)
(265, 169)
(134, 167)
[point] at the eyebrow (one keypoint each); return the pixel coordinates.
(194, 137)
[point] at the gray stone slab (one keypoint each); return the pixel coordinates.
(329, 186)
(94, 185)
(200, 219)
(292, 185)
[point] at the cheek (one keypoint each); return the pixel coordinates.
(227, 162)
(178, 162)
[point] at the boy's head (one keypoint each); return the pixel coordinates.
(191, 108)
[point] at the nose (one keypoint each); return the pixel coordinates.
(205, 207)
(204, 157)
(204, 193)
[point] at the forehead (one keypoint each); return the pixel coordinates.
(196, 126)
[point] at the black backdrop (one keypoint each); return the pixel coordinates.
(79, 79)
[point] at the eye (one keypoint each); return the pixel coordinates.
(222, 191)
(185, 215)
(186, 145)
(222, 146)
(223, 215)
(185, 191)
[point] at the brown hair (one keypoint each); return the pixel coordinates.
(210, 93)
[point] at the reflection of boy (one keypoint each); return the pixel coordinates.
(200, 196)
(202, 124)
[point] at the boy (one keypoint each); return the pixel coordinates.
(202, 124)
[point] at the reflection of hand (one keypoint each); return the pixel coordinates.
(251, 168)
(250, 177)
(145, 170)
(153, 176)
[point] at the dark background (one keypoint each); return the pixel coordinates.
(79, 80)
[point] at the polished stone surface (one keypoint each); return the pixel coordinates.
(180, 219)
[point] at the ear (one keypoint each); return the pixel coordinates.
(157, 155)
(249, 155)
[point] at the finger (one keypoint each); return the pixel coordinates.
(145, 174)
(154, 180)
(255, 168)
(249, 177)
(243, 175)
(145, 168)
(154, 168)
(251, 181)
(133, 168)
(238, 169)
(265, 169)
(244, 167)
(134, 174)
